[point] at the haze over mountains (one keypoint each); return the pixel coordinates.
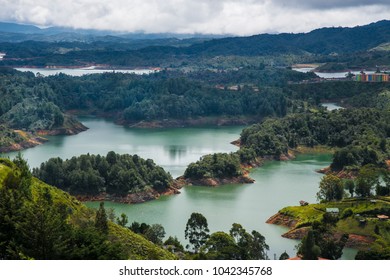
(322, 41)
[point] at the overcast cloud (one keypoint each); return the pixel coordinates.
(241, 17)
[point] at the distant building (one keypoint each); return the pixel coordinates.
(303, 203)
(375, 77)
(334, 211)
(2, 55)
(382, 217)
(299, 258)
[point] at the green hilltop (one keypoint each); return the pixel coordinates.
(38, 221)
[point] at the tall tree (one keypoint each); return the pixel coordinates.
(331, 188)
(367, 178)
(197, 231)
(101, 221)
(308, 248)
(44, 232)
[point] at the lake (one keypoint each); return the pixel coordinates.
(278, 184)
(330, 75)
(331, 106)
(77, 72)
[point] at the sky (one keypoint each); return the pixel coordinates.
(237, 17)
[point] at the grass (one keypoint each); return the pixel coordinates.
(304, 214)
(365, 209)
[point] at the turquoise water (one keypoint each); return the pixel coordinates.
(278, 184)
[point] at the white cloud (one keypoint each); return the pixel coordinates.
(242, 17)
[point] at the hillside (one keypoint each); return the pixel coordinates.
(66, 228)
(358, 217)
(323, 44)
(122, 178)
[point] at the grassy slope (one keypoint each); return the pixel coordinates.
(351, 225)
(136, 246)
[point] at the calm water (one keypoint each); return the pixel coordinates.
(82, 71)
(331, 106)
(278, 184)
(330, 75)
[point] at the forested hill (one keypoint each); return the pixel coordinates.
(112, 51)
(114, 174)
(319, 41)
(38, 221)
(360, 137)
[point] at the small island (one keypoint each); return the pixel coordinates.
(119, 178)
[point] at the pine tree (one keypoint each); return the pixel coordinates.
(101, 222)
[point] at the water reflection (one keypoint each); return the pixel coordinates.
(176, 152)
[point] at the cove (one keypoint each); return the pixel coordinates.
(278, 183)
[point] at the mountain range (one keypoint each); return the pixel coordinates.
(62, 45)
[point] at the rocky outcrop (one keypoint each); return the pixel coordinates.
(283, 220)
(201, 121)
(359, 241)
(131, 198)
(297, 233)
(213, 182)
(71, 127)
(29, 141)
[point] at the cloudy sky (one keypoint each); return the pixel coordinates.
(240, 17)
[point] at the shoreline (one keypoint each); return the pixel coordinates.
(355, 241)
(133, 198)
(35, 139)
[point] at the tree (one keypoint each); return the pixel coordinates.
(43, 230)
(251, 246)
(196, 231)
(123, 220)
(284, 256)
(331, 188)
(11, 205)
(221, 246)
(367, 178)
(350, 186)
(308, 249)
(258, 247)
(101, 221)
(155, 233)
(173, 244)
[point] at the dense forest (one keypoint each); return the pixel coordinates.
(240, 80)
(114, 174)
(360, 137)
(320, 43)
(36, 104)
(38, 221)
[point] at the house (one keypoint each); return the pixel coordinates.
(303, 203)
(333, 211)
(382, 217)
(299, 258)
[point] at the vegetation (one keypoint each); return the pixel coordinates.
(114, 174)
(325, 42)
(38, 221)
(331, 188)
(360, 134)
(215, 166)
(197, 231)
(359, 216)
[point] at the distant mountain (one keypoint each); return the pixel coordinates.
(84, 47)
(18, 28)
(13, 32)
(319, 41)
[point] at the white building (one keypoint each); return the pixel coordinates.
(2, 55)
